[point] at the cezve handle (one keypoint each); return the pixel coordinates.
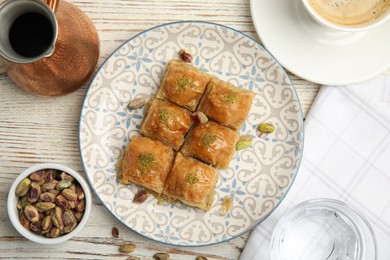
(52, 4)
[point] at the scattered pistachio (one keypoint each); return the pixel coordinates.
(200, 117)
(23, 187)
(136, 103)
(266, 128)
(200, 258)
(127, 248)
(140, 197)
(133, 258)
(161, 256)
(244, 142)
(185, 56)
(115, 232)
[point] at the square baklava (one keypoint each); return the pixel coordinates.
(147, 163)
(183, 84)
(167, 123)
(226, 104)
(211, 143)
(191, 182)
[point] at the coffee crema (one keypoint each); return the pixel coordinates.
(350, 12)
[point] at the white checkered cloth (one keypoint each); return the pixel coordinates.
(346, 157)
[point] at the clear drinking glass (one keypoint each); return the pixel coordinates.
(323, 229)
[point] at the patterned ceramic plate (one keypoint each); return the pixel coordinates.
(257, 179)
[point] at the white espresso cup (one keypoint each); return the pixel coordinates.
(349, 15)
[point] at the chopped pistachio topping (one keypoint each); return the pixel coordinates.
(192, 178)
(164, 115)
(145, 161)
(182, 83)
(230, 98)
(208, 139)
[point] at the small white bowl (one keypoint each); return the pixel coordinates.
(13, 212)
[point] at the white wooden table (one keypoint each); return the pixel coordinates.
(37, 129)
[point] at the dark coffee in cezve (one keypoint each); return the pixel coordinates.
(31, 34)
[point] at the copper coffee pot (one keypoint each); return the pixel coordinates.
(67, 63)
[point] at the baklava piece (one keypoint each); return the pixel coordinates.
(167, 123)
(183, 84)
(191, 182)
(146, 163)
(226, 104)
(211, 143)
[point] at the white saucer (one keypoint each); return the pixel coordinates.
(316, 53)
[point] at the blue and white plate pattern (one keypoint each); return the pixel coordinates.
(257, 178)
